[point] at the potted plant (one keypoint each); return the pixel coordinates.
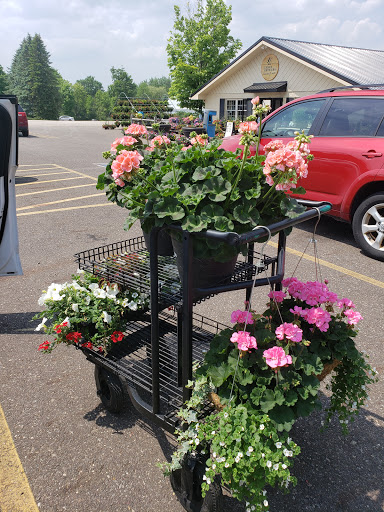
(261, 376)
(87, 311)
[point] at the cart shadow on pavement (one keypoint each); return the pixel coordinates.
(18, 323)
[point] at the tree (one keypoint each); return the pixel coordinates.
(122, 83)
(3, 81)
(146, 90)
(67, 98)
(102, 105)
(80, 97)
(33, 79)
(91, 85)
(199, 47)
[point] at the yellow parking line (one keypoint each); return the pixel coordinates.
(35, 169)
(15, 492)
(45, 173)
(64, 209)
(338, 268)
(54, 190)
(77, 172)
(57, 202)
(49, 181)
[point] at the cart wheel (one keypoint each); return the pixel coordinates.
(109, 389)
(186, 483)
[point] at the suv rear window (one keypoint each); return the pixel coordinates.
(353, 117)
(20, 108)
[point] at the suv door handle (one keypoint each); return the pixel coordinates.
(372, 154)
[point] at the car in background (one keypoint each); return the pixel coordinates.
(66, 118)
(9, 143)
(348, 148)
(23, 121)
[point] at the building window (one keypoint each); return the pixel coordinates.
(236, 109)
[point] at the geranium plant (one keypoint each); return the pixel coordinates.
(88, 312)
(201, 186)
(262, 375)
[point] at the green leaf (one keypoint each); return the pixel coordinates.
(219, 374)
(283, 416)
(194, 223)
(169, 207)
(217, 188)
(203, 173)
(268, 402)
(223, 224)
(246, 213)
(100, 182)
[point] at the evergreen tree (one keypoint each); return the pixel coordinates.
(3, 81)
(199, 47)
(67, 98)
(33, 79)
(122, 84)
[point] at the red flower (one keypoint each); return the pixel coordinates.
(44, 346)
(117, 336)
(74, 336)
(57, 328)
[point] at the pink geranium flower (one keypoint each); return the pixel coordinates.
(278, 296)
(124, 141)
(241, 317)
(159, 141)
(353, 316)
(136, 129)
(248, 126)
(244, 340)
(289, 331)
(317, 316)
(125, 164)
(276, 357)
(199, 140)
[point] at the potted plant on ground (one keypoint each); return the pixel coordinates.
(261, 376)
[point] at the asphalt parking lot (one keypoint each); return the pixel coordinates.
(78, 457)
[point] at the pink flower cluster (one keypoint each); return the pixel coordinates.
(317, 316)
(353, 316)
(278, 296)
(248, 126)
(136, 129)
(285, 163)
(241, 317)
(312, 293)
(199, 140)
(276, 357)
(289, 331)
(124, 165)
(123, 141)
(158, 141)
(244, 340)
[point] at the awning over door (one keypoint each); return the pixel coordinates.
(267, 87)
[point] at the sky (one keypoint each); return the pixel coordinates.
(88, 37)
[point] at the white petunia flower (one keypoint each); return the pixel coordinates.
(262, 427)
(75, 307)
(269, 464)
(278, 445)
(276, 467)
(132, 306)
(107, 317)
(41, 324)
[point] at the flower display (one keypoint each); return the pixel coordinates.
(136, 129)
(88, 312)
(262, 375)
(124, 166)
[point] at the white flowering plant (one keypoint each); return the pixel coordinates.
(261, 376)
(87, 312)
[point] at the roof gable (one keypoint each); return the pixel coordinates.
(351, 65)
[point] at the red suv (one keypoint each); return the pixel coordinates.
(23, 122)
(348, 149)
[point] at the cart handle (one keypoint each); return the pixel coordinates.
(232, 238)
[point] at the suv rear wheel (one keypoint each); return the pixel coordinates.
(368, 226)
(25, 132)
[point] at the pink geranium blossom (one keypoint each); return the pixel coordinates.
(125, 164)
(241, 317)
(345, 303)
(276, 357)
(123, 141)
(136, 129)
(255, 101)
(159, 141)
(289, 331)
(244, 340)
(248, 126)
(318, 317)
(199, 140)
(278, 296)
(353, 316)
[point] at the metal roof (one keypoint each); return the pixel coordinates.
(355, 65)
(267, 86)
(352, 65)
